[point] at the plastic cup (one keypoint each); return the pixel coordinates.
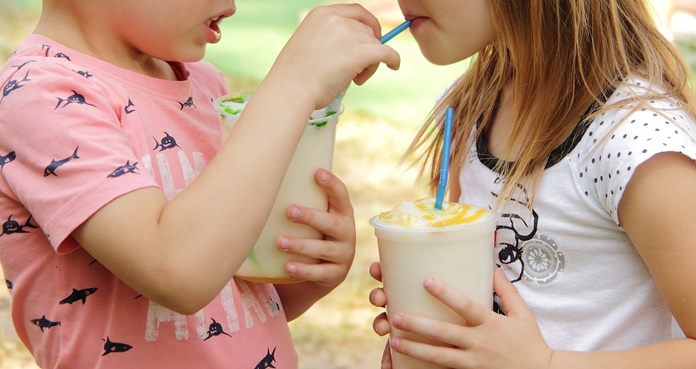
(461, 255)
(265, 263)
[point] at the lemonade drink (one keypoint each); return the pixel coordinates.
(455, 244)
(315, 150)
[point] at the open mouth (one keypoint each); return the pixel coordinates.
(214, 25)
(213, 22)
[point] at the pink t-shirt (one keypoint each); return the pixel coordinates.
(77, 132)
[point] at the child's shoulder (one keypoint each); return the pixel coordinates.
(641, 107)
(39, 58)
(638, 121)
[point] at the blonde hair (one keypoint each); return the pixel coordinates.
(567, 52)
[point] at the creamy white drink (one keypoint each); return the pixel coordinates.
(455, 244)
(315, 150)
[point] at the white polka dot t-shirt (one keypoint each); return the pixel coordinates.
(568, 256)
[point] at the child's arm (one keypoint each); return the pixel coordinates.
(336, 250)
(180, 253)
(657, 213)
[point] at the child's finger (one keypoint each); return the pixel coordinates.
(381, 324)
(339, 199)
(325, 274)
(472, 312)
(378, 298)
(512, 302)
(339, 222)
(341, 229)
(376, 271)
(328, 251)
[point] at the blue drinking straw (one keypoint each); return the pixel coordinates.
(391, 34)
(444, 164)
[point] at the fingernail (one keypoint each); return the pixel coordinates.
(428, 282)
(295, 212)
(394, 342)
(397, 320)
(291, 268)
(284, 244)
(383, 327)
(323, 175)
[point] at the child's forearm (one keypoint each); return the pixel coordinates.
(677, 354)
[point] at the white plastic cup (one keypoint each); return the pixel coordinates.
(460, 255)
(265, 263)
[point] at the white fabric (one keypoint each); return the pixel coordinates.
(569, 257)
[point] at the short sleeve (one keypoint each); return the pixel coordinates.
(62, 128)
(620, 140)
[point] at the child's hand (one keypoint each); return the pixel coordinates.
(379, 299)
(337, 249)
(380, 324)
(333, 45)
(489, 340)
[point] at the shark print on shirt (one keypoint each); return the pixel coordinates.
(6, 159)
(61, 55)
(55, 164)
(13, 85)
(44, 323)
(167, 142)
(130, 107)
(215, 329)
(20, 66)
(12, 226)
(47, 50)
(124, 169)
(268, 360)
(78, 295)
(114, 347)
(188, 104)
(85, 73)
(75, 98)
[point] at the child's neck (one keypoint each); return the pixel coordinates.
(499, 131)
(501, 127)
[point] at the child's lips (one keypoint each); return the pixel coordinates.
(213, 32)
(416, 21)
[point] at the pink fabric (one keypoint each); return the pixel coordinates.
(77, 132)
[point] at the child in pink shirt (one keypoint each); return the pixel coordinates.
(123, 217)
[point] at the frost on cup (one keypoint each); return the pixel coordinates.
(455, 244)
(315, 150)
